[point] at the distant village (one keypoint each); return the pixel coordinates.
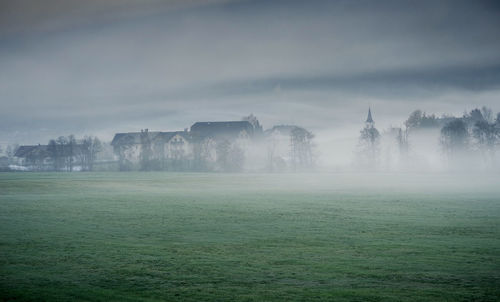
(222, 146)
(235, 146)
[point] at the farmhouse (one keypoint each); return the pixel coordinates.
(35, 156)
(178, 150)
(134, 147)
(51, 157)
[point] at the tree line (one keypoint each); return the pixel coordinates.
(65, 153)
(476, 134)
(222, 154)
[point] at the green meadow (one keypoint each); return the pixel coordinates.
(249, 237)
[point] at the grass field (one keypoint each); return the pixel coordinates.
(249, 237)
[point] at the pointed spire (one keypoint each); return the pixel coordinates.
(369, 118)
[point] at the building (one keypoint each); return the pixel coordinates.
(51, 157)
(137, 149)
(207, 146)
(35, 157)
(179, 150)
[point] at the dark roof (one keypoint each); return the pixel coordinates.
(166, 136)
(22, 151)
(132, 138)
(27, 151)
(43, 150)
(369, 118)
(218, 129)
(199, 129)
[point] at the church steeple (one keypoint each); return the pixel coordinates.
(369, 119)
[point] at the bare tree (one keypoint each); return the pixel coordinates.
(454, 138)
(403, 145)
(271, 144)
(54, 150)
(60, 151)
(301, 149)
(90, 147)
(146, 151)
(71, 150)
(486, 136)
(96, 148)
(62, 146)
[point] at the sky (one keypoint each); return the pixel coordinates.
(99, 67)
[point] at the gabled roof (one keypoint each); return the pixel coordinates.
(131, 138)
(198, 130)
(217, 129)
(134, 138)
(23, 151)
(44, 150)
(167, 136)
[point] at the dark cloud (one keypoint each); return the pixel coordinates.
(32, 16)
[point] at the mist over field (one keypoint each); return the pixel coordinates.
(110, 67)
(238, 237)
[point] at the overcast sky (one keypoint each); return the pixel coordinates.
(104, 66)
